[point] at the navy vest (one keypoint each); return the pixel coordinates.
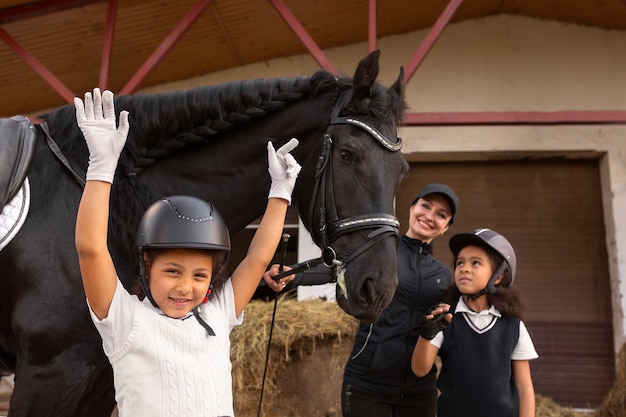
(476, 376)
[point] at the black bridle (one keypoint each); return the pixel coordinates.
(331, 227)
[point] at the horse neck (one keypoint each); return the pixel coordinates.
(230, 169)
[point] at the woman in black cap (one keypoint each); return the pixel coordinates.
(378, 381)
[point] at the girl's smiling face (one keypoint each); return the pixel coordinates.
(429, 217)
(179, 280)
(472, 270)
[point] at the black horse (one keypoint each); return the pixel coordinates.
(209, 142)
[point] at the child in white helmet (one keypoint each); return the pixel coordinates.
(485, 347)
(170, 352)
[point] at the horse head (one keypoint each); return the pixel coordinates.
(350, 212)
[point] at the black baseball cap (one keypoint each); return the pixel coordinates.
(445, 192)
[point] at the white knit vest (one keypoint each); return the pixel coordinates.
(171, 367)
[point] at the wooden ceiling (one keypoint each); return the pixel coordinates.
(64, 40)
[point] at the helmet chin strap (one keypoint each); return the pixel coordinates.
(477, 295)
(143, 281)
(491, 284)
(196, 314)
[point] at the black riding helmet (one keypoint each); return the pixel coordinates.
(180, 222)
(493, 242)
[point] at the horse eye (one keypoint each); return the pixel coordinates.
(346, 156)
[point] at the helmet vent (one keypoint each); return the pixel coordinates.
(187, 217)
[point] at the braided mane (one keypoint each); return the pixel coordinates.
(162, 123)
(165, 122)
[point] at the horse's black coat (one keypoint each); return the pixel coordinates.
(209, 142)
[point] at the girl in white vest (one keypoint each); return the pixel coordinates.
(170, 352)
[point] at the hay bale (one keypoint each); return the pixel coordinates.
(301, 330)
(614, 405)
(546, 407)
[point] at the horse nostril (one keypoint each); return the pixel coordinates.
(368, 296)
(375, 297)
(368, 290)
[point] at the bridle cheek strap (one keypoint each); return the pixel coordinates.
(330, 226)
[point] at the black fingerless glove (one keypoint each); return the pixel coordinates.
(430, 328)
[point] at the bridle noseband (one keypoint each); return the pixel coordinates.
(331, 227)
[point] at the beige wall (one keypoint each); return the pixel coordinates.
(504, 63)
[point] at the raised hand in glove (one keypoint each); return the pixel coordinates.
(96, 119)
(283, 169)
(435, 322)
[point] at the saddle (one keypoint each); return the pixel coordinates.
(17, 148)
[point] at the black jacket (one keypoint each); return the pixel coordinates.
(381, 358)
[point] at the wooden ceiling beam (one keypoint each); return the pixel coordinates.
(39, 68)
(107, 46)
(166, 46)
(303, 35)
(430, 39)
(372, 25)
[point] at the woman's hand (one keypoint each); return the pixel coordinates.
(277, 286)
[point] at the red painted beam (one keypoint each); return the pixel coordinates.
(35, 64)
(166, 46)
(107, 46)
(303, 35)
(514, 118)
(372, 25)
(430, 39)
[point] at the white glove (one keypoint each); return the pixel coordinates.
(96, 120)
(284, 170)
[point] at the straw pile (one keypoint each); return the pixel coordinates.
(614, 405)
(546, 407)
(301, 329)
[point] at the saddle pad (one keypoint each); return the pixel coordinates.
(14, 214)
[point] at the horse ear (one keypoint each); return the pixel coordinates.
(365, 75)
(396, 91)
(398, 85)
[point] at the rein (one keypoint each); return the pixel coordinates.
(57, 152)
(331, 226)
